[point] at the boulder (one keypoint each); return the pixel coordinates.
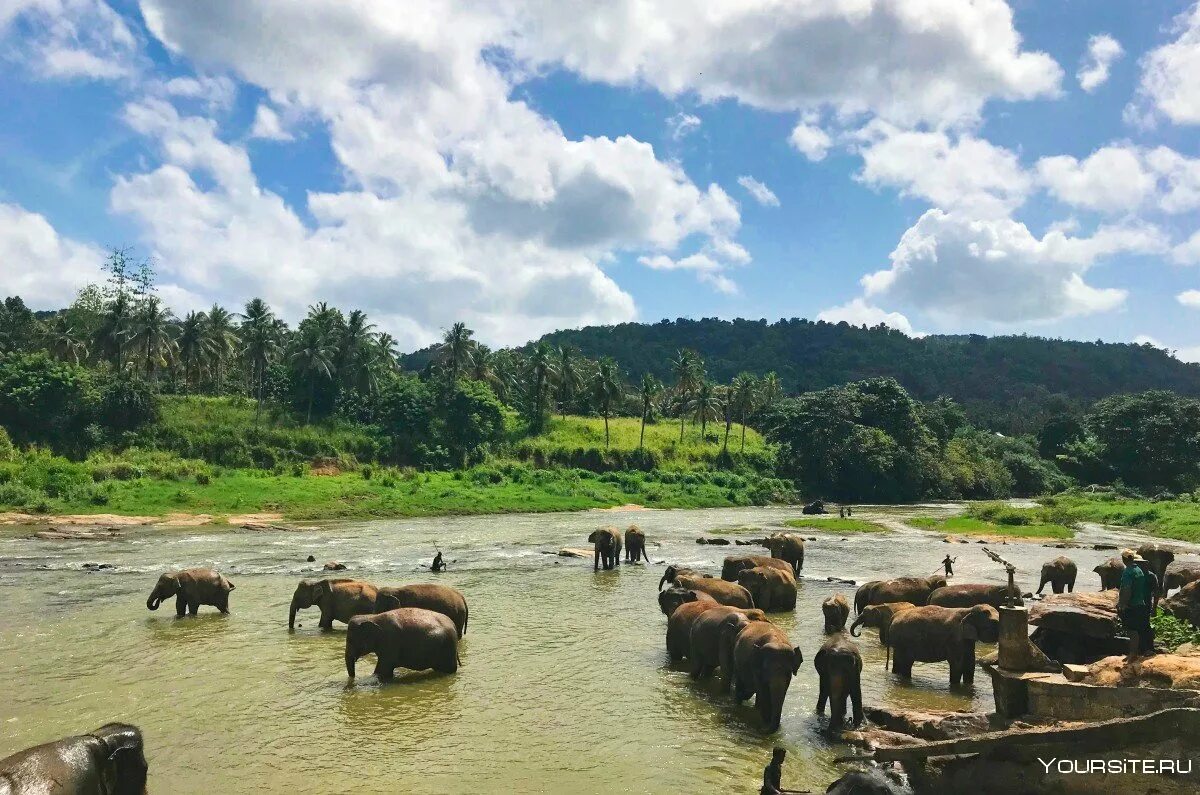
(567, 552)
(334, 565)
(1173, 671)
(930, 724)
(1180, 573)
(1091, 614)
(1185, 604)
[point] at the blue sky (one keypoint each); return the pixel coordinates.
(1029, 167)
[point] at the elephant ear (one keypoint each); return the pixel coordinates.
(797, 660)
(366, 635)
(323, 588)
(594, 537)
(969, 626)
(125, 763)
(385, 602)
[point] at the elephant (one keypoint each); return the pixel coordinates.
(900, 589)
(1159, 557)
(108, 761)
(679, 627)
(439, 598)
(191, 588)
(1180, 574)
(673, 571)
(788, 547)
(338, 598)
(839, 666)
(607, 545)
(1110, 572)
(764, 662)
(407, 637)
(814, 507)
(635, 545)
(772, 589)
(727, 593)
(711, 636)
(969, 595)
(675, 596)
(1060, 573)
(872, 781)
(734, 565)
(836, 610)
(933, 634)
(880, 617)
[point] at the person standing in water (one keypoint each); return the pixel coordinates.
(438, 563)
(948, 565)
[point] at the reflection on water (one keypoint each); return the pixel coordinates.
(564, 685)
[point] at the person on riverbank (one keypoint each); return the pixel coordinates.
(948, 564)
(1138, 585)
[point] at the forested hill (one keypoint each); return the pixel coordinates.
(1006, 383)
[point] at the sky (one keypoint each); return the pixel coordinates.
(940, 166)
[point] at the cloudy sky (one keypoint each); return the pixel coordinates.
(525, 165)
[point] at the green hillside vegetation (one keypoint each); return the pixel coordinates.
(1177, 519)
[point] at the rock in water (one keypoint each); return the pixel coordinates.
(1184, 605)
(1091, 614)
(333, 565)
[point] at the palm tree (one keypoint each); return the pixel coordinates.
(687, 370)
(704, 405)
(485, 367)
(65, 341)
(607, 388)
(313, 357)
(725, 398)
(389, 351)
(260, 346)
(648, 389)
(220, 341)
(456, 348)
(190, 341)
(541, 371)
(356, 349)
(769, 391)
(568, 377)
(114, 329)
(745, 393)
(152, 331)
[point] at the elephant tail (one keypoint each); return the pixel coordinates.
(887, 660)
(466, 617)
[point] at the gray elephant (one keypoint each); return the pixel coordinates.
(635, 545)
(839, 666)
(934, 634)
(736, 564)
(339, 598)
(679, 627)
(836, 610)
(108, 761)
(969, 595)
(764, 662)
(1159, 557)
(607, 547)
(440, 598)
(788, 547)
(814, 507)
(727, 593)
(880, 617)
(708, 632)
(191, 588)
(672, 572)
(1110, 572)
(675, 596)
(772, 589)
(1180, 574)
(408, 637)
(1060, 573)
(900, 589)
(872, 781)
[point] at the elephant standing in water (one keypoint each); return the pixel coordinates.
(673, 572)
(635, 545)
(771, 589)
(839, 666)
(607, 546)
(880, 617)
(709, 633)
(933, 634)
(675, 596)
(338, 598)
(109, 761)
(1060, 573)
(788, 547)
(969, 595)
(764, 662)
(1110, 572)
(727, 593)
(1159, 557)
(409, 637)
(836, 610)
(430, 596)
(736, 564)
(191, 588)
(900, 589)
(1180, 574)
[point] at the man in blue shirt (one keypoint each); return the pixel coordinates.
(1138, 584)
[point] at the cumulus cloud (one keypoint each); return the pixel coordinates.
(218, 93)
(71, 39)
(1187, 252)
(1169, 84)
(268, 125)
(1189, 298)
(40, 265)
(859, 313)
(957, 268)
(682, 125)
(1103, 50)
(810, 141)
(760, 192)
(1124, 178)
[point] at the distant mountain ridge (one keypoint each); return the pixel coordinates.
(1009, 383)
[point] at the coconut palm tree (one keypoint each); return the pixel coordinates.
(389, 351)
(745, 395)
(114, 329)
(486, 367)
(569, 377)
(607, 387)
(190, 341)
(647, 391)
(704, 405)
(725, 398)
(151, 332)
(769, 391)
(220, 341)
(313, 358)
(260, 346)
(456, 349)
(541, 373)
(65, 341)
(355, 360)
(688, 372)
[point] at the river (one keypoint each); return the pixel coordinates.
(564, 685)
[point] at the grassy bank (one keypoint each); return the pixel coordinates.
(1174, 519)
(850, 525)
(999, 519)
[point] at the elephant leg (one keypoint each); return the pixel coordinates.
(180, 606)
(193, 608)
(1057, 586)
(955, 672)
(837, 712)
(326, 618)
(968, 665)
(856, 700)
(822, 694)
(385, 670)
(1070, 586)
(223, 604)
(902, 664)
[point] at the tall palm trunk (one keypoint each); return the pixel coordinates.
(642, 436)
(743, 431)
(312, 387)
(606, 425)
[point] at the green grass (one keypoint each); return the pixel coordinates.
(850, 525)
(1172, 632)
(1174, 519)
(969, 525)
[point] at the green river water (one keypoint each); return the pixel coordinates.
(564, 686)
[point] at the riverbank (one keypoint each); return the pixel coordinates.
(1177, 520)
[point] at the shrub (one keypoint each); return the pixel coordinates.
(17, 495)
(7, 451)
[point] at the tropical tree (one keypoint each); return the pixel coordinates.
(151, 331)
(356, 361)
(745, 394)
(648, 389)
(541, 373)
(704, 405)
(456, 349)
(190, 342)
(688, 371)
(114, 330)
(65, 341)
(770, 391)
(569, 377)
(313, 358)
(728, 406)
(220, 342)
(389, 351)
(260, 346)
(607, 387)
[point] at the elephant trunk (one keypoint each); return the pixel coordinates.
(666, 574)
(292, 614)
(154, 601)
(857, 622)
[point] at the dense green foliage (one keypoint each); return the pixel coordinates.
(1171, 632)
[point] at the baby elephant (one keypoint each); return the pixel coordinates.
(408, 637)
(836, 609)
(607, 547)
(635, 545)
(110, 760)
(764, 662)
(191, 588)
(839, 666)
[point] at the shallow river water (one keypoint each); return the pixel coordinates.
(564, 687)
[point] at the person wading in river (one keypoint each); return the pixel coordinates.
(1138, 585)
(948, 565)
(773, 776)
(438, 563)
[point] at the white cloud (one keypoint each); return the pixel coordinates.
(811, 141)
(71, 39)
(1187, 252)
(268, 125)
(1185, 354)
(859, 313)
(761, 193)
(1189, 298)
(963, 173)
(1170, 83)
(962, 269)
(218, 93)
(1103, 50)
(40, 265)
(1124, 178)
(682, 125)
